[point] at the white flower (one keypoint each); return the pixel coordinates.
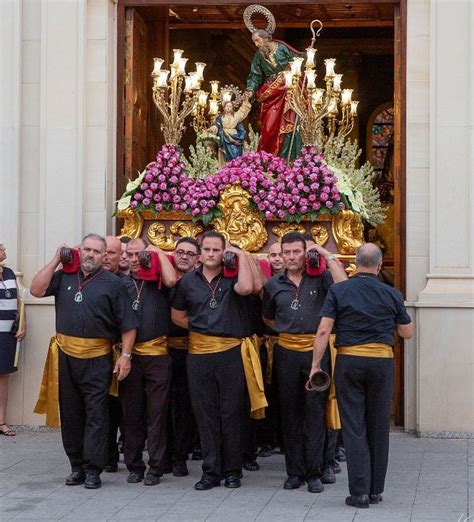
(124, 202)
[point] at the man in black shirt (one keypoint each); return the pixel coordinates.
(213, 308)
(366, 314)
(92, 310)
(182, 433)
(291, 304)
(145, 393)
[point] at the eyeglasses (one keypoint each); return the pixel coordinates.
(188, 253)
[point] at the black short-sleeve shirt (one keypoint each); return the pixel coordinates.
(228, 319)
(175, 330)
(365, 310)
(280, 291)
(153, 310)
(104, 312)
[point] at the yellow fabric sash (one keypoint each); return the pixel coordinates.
(48, 400)
(179, 343)
(297, 342)
(381, 350)
(200, 344)
(270, 341)
(158, 346)
(333, 421)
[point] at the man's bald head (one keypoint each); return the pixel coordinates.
(369, 256)
(113, 251)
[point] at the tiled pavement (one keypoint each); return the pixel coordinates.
(428, 479)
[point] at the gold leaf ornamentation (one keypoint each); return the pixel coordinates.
(133, 223)
(156, 233)
(283, 228)
(320, 234)
(182, 229)
(240, 224)
(348, 231)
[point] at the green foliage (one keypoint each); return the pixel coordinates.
(202, 161)
(251, 144)
(356, 184)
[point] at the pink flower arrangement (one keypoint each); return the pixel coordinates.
(278, 191)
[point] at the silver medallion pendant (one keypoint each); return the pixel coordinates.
(7, 294)
(295, 304)
(136, 304)
(213, 303)
(78, 297)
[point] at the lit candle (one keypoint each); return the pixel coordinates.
(188, 83)
(310, 54)
(214, 88)
(182, 67)
(202, 98)
(354, 108)
(318, 96)
(332, 107)
(177, 53)
(213, 107)
(200, 70)
(158, 62)
(288, 79)
(337, 82)
(346, 96)
(195, 83)
(226, 96)
(310, 78)
(296, 66)
(163, 78)
(330, 64)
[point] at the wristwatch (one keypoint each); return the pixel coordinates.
(129, 355)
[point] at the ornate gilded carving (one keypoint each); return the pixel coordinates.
(133, 223)
(189, 229)
(283, 228)
(348, 231)
(320, 234)
(156, 233)
(239, 224)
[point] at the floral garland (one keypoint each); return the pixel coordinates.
(277, 191)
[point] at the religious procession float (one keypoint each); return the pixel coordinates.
(299, 172)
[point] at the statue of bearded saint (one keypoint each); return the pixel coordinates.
(279, 134)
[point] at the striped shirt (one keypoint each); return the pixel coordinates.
(8, 305)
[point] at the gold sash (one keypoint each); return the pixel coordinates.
(381, 350)
(333, 421)
(158, 346)
(200, 344)
(297, 342)
(48, 400)
(179, 343)
(270, 341)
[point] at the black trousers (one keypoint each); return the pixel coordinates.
(330, 447)
(182, 430)
(364, 393)
(217, 387)
(145, 395)
(302, 413)
(115, 418)
(84, 408)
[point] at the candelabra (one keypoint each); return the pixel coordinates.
(318, 109)
(176, 95)
(202, 119)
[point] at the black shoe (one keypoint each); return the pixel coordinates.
(180, 469)
(315, 486)
(340, 454)
(232, 482)
(151, 479)
(134, 477)
(197, 454)
(328, 476)
(251, 465)
(292, 483)
(265, 451)
(76, 478)
(111, 468)
(336, 467)
(361, 501)
(92, 481)
(167, 469)
(205, 484)
(375, 499)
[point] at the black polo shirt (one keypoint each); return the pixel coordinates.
(153, 310)
(365, 309)
(228, 319)
(104, 312)
(280, 291)
(175, 330)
